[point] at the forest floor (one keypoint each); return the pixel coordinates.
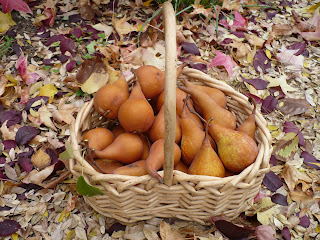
(267, 50)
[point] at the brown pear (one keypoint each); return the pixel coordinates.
(136, 114)
(206, 162)
(236, 149)
(137, 168)
(180, 96)
(209, 107)
(106, 165)
(117, 130)
(146, 146)
(155, 160)
(192, 137)
(157, 129)
(98, 138)
(126, 148)
(151, 80)
(181, 167)
(249, 125)
(217, 95)
(108, 99)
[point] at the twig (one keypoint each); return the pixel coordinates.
(55, 182)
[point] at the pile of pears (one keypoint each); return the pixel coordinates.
(207, 139)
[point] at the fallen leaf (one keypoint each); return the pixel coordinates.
(21, 66)
(280, 81)
(6, 22)
(11, 117)
(223, 60)
(286, 233)
(48, 90)
(45, 117)
(68, 153)
(289, 59)
(123, 27)
(228, 5)
(268, 104)
(266, 210)
(37, 177)
(287, 145)
(279, 199)
(290, 127)
(19, 5)
(258, 83)
(104, 28)
(255, 40)
(191, 48)
(8, 227)
(25, 134)
(233, 231)
(242, 48)
(40, 159)
(272, 181)
(264, 232)
(167, 233)
(310, 160)
(292, 106)
(261, 62)
(282, 29)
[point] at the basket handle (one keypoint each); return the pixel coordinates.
(169, 90)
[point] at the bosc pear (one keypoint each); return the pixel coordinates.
(248, 126)
(136, 114)
(209, 107)
(109, 98)
(236, 149)
(126, 148)
(192, 137)
(206, 162)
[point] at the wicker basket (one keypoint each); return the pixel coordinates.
(188, 197)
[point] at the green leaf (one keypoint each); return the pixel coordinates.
(90, 47)
(79, 93)
(68, 153)
(287, 145)
(85, 189)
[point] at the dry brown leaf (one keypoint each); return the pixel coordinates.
(289, 177)
(122, 26)
(37, 177)
(254, 40)
(242, 48)
(3, 83)
(235, 5)
(282, 29)
(167, 233)
(292, 106)
(303, 197)
(40, 159)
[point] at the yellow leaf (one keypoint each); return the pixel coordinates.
(312, 8)
(62, 215)
(48, 90)
(147, 3)
(117, 234)
(318, 229)
(94, 82)
(279, 81)
(71, 235)
(45, 214)
(15, 236)
(11, 79)
(305, 64)
(272, 128)
(305, 74)
(266, 210)
(122, 27)
(5, 22)
(113, 76)
(268, 53)
(33, 113)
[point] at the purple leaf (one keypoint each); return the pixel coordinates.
(30, 186)
(12, 116)
(272, 181)
(75, 18)
(233, 231)
(199, 66)
(239, 34)
(273, 160)
(258, 83)
(309, 159)
(290, 127)
(26, 154)
(8, 144)
(279, 199)
(53, 156)
(256, 98)
(67, 45)
(48, 62)
(63, 58)
(278, 89)
(53, 39)
(260, 60)
(77, 32)
(32, 100)
(114, 5)
(270, 15)
(226, 41)
(286, 233)
(44, 34)
(115, 228)
(71, 65)
(191, 48)
(269, 104)
(25, 134)
(298, 46)
(8, 227)
(26, 164)
(304, 221)
(285, 3)
(5, 208)
(2, 160)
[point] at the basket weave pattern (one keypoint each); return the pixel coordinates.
(191, 197)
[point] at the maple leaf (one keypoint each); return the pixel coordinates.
(280, 81)
(313, 21)
(21, 66)
(240, 23)
(223, 60)
(19, 5)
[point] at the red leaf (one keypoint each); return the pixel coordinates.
(233, 231)
(19, 5)
(223, 60)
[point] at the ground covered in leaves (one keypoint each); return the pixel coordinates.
(268, 50)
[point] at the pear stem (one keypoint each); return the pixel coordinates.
(89, 156)
(194, 112)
